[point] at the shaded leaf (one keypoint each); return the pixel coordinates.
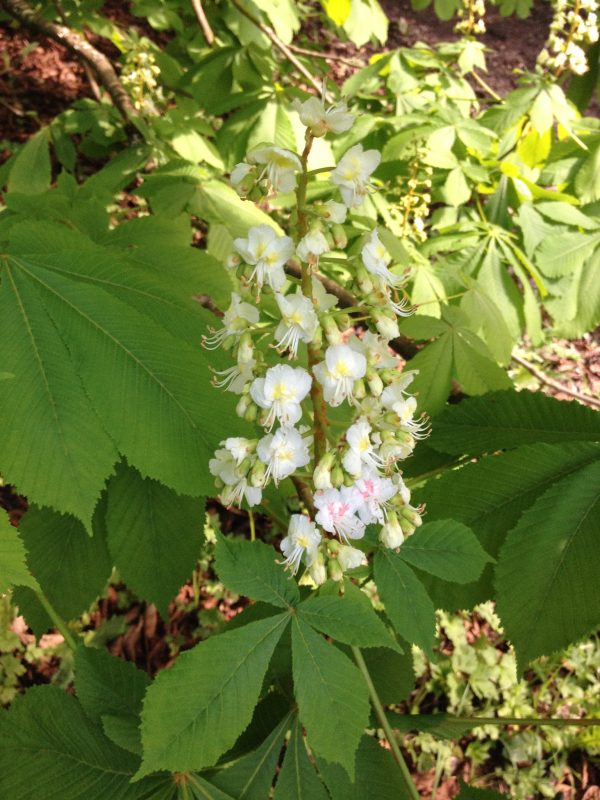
(298, 779)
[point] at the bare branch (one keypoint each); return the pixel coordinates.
(557, 385)
(203, 22)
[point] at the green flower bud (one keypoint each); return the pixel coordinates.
(340, 239)
(375, 383)
(337, 476)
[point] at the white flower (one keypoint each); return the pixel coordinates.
(350, 557)
(337, 513)
(283, 452)
(280, 167)
(235, 319)
(376, 258)
(391, 534)
(280, 392)
(393, 397)
(335, 212)
(342, 366)
(353, 172)
(387, 327)
(225, 466)
(375, 493)
(360, 449)
(311, 246)
(302, 540)
(299, 321)
(239, 172)
(317, 570)
(313, 114)
(267, 253)
(375, 349)
(234, 379)
(323, 300)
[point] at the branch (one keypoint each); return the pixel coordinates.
(402, 345)
(583, 398)
(78, 46)
(203, 22)
(281, 46)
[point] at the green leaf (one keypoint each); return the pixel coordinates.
(508, 419)
(71, 566)
(350, 619)
(547, 575)
(442, 725)
(587, 302)
(251, 569)
(377, 775)
(563, 253)
(250, 777)
(109, 687)
(446, 548)
(217, 202)
(195, 148)
(31, 171)
(337, 10)
(203, 790)
(13, 558)
(55, 448)
(154, 535)
(391, 672)
(433, 383)
(456, 191)
(52, 750)
(472, 793)
(476, 370)
(489, 496)
(162, 377)
(587, 179)
(486, 318)
(407, 603)
(196, 710)
(298, 779)
(333, 699)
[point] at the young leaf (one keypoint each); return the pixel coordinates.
(154, 535)
(31, 170)
(52, 750)
(13, 558)
(109, 687)
(562, 253)
(350, 619)
(446, 548)
(547, 575)
(55, 449)
(298, 779)
(433, 383)
(71, 567)
(508, 419)
(250, 569)
(407, 603)
(250, 777)
(333, 699)
(196, 710)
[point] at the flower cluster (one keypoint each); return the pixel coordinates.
(139, 76)
(471, 18)
(281, 313)
(574, 25)
(415, 201)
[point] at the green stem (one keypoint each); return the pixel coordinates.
(383, 721)
(58, 621)
(252, 525)
(554, 722)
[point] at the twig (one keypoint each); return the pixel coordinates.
(303, 51)
(583, 398)
(282, 46)
(203, 22)
(484, 85)
(79, 46)
(304, 493)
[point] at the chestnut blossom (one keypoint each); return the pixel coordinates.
(226, 466)
(337, 513)
(280, 392)
(237, 317)
(393, 397)
(335, 212)
(280, 167)
(338, 372)
(350, 557)
(391, 534)
(375, 493)
(302, 540)
(320, 120)
(361, 451)
(283, 452)
(311, 246)
(267, 253)
(299, 322)
(376, 259)
(352, 174)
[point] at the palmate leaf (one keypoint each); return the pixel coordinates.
(196, 710)
(548, 571)
(250, 568)
(154, 535)
(332, 697)
(54, 446)
(489, 496)
(50, 749)
(298, 779)
(509, 419)
(162, 378)
(13, 558)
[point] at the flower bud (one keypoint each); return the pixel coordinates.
(359, 390)
(251, 413)
(257, 474)
(375, 383)
(243, 405)
(340, 238)
(322, 473)
(317, 570)
(391, 534)
(363, 281)
(386, 325)
(245, 352)
(412, 516)
(332, 332)
(335, 571)
(337, 476)
(350, 557)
